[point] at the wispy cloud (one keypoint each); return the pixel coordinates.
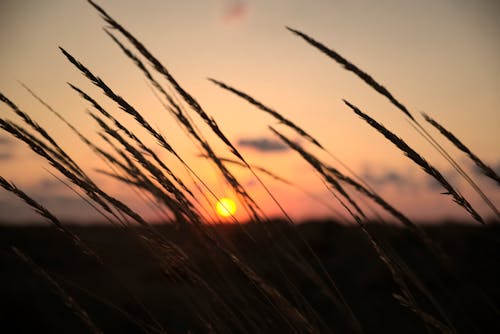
(6, 145)
(263, 144)
(6, 156)
(389, 177)
(4, 141)
(67, 207)
(48, 186)
(235, 11)
(406, 180)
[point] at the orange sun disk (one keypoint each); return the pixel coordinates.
(225, 207)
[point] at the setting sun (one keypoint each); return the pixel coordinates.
(225, 207)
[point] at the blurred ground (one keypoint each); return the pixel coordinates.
(469, 291)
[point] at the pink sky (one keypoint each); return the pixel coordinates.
(441, 58)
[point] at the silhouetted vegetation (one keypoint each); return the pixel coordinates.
(185, 275)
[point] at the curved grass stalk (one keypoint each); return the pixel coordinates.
(487, 170)
(412, 120)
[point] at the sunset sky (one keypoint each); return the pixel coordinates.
(438, 57)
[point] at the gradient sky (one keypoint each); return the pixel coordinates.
(439, 57)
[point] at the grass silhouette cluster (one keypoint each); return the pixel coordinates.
(254, 302)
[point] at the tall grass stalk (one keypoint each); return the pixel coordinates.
(487, 170)
(397, 273)
(416, 158)
(370, 81)
(250, 204)
(285, 121)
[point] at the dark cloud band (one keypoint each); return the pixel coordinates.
(263, 144)
(4, 141)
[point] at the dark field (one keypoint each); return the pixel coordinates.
(468, 290)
